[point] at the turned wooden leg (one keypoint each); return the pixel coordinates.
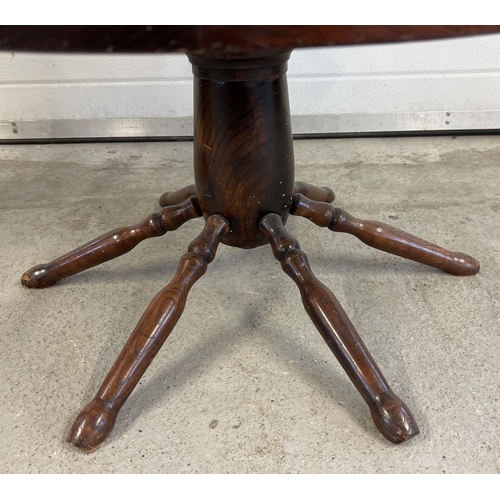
(97, 419)
(391, 416)
(313, 192)
(175, 197)
(384, 237)
(110, 245)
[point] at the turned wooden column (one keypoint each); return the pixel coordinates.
(243, 151)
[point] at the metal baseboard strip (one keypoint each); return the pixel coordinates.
(331, 125)
(116, 128)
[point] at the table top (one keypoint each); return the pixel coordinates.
(214, 40)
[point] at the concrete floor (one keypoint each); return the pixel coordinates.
(245, 384)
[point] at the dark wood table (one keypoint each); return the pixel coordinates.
(244, 188)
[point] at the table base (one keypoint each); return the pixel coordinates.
(244, 188)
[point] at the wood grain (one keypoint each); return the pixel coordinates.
(110, 245)
(244, 187)
(385, 237)
(391, 416)
(96, 421)
(243, 150)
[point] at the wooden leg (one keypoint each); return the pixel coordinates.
(110, 245)
(314, 193)
(391, 416)
(384, 237)
(97, 419)
(175, 197)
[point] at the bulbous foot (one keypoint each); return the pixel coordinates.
(92, 426)
(466, 265)
(393, 419)
(37, 277)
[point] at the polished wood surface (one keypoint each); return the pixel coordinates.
(96, 421)
(243, 149)
(314, 193)
(174, 197)
(384, 237)
(244, 188)
(391, 416)
(219, 41)
(110, 245)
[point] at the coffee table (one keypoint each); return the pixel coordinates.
(244, 188)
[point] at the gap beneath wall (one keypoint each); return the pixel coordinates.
(296, 137)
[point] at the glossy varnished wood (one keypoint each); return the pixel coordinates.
(391, 416)
(97, 419)
(385, 237)
(243, 151)
(110, 245)
(245, 189)
(174, 197)
(216, 40)
(314, 192)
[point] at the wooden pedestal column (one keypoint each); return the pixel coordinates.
(243, 151)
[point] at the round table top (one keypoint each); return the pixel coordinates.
(213, 40)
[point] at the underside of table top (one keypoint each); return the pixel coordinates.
(214, 41)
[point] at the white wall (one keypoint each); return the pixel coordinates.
(406, 86)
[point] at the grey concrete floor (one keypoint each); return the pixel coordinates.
(245, 384)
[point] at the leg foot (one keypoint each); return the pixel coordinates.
(175, 197)
(38, 277)
(96, 421)
(391, 416)
(313, 192)
(384, 237)
(110, 245)
(92, 426)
